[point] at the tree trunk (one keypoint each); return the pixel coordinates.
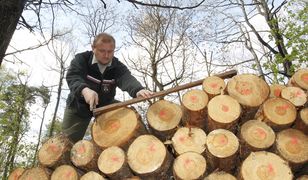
(113, 163)
(189, 165)
(117, 128)
(277, 113)
(10, 13)
(250, 91)
(194, 103)
(222, 149)
(223, 113)
(255, 136)
(163, 118)
(264, 165)
(149, 158)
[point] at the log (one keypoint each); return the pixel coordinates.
(189, 165)
(163, 118)
(148, 158)
(295, 95)
(117, 128)
(189, 140)
(264, 165)
(300, 79)
(275, 90)
(91, 175)
(194, 104)
(303, 177)
(66, 172)
(220, 175)
(250, 91)
(223, 113)
(213, 86)
(292, 145)
(301, 123)
(222, 149)
(55, 152)
(36, 173)
(255, 136)
(112, 162)
(277, 113)
(16, 173)
(84, 155)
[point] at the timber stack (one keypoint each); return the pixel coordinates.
(239, 128)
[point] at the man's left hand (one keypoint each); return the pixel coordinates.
(144, 93)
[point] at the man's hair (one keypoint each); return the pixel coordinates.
(103, 38)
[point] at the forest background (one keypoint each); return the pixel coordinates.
(165, 43)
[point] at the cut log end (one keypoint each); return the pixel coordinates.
(248, 89)
(111, 160)
(213, 85)
(265, 165)
(146, 154)
(195, 100)
(65, 172)
(16, 174)
(222, 143)
(36, 173)
(295, 95)
(224, 109)
(92, 176)
(292, 145)
(220, 175)
(189, 139)
(189, 165)
(164, 115)
(82, 153)
(257, 134)
(275, 90)
(114, 128)
(300, 78)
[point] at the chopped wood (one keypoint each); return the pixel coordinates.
(301, 122)
(189, 165)
(117, 128)
(295, 95)
(189, 140)
(277, 113)
(148, 158)
(220, 175)
(16, 173)
(222, 149)
(55, 151)
(194, 103)
(84, 155)
(91, 175)
(264, 165)
(255, 136)
(113, 163)
(250, 91)
(36, 173)
(213, 86)
(275, 90)
(163, 118)
(223, 113)
(292, 145)
(300, 79)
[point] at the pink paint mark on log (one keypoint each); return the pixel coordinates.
(299, 93)
(214, 85)
(305, 78)
(270, 168)
(69, 174)
(115, 125)
(193, 99)
(152, 147)
(187, 162)
(277, 92)
(162, 113)
(225, 108)
(261, 133)
(294, 140)
(223, 140)
(115, 159)
(182, 139)
(53, 148)
(81, 149)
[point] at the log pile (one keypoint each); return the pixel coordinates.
(243, 129)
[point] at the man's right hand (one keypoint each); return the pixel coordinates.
(90, 97)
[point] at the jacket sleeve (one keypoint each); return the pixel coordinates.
(127, 82)
(76, 75)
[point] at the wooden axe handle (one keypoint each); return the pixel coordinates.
(114, 106)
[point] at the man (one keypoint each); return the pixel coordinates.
(92, 79)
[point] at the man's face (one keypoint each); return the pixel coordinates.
(103, 52)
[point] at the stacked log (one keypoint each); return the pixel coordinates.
(275, 90)
(91, 175)
(220, 175)
(36, 173)
(65, 172)
(14, 175)
(301, 122)
(213, 86)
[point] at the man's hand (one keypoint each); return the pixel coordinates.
(144, 93)
(90, 96)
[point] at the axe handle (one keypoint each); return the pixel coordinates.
(114, 106)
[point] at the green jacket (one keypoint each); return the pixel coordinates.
(76, 78)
